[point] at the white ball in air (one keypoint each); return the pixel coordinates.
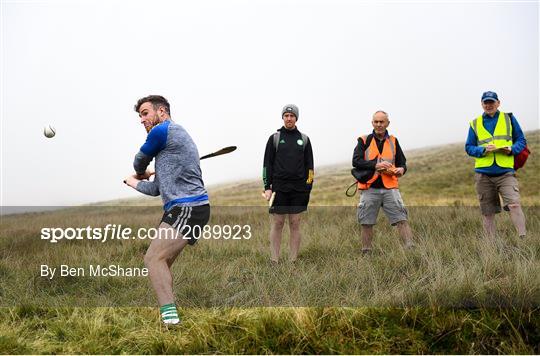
(49, 131)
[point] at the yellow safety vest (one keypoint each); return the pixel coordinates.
(502, 137)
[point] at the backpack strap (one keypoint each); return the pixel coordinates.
(277, 134)
(509, 127)
(366, 150)
(508, 119)
(305, 140)
(348, 191)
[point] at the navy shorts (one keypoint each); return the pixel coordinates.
(292, 202)
(189, 220)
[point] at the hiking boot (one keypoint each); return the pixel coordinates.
(367, 252)
(409, 246)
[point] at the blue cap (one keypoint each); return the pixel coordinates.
(490, 95)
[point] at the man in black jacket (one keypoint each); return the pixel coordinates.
(288, 175)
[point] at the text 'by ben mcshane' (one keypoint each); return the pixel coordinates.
(92, 271)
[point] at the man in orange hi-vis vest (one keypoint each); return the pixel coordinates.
(380, 153)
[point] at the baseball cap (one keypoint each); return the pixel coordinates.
(489, 95)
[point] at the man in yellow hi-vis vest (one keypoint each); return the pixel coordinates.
(494, 139)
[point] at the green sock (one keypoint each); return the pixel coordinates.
(169, 314)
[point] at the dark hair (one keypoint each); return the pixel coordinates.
(156, 100)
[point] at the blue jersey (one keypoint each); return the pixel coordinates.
(178, 176)
(472, 148)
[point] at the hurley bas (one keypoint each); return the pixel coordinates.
(93, 271)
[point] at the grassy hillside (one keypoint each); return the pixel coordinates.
(439, 176)
(436, 176)
(456, 292)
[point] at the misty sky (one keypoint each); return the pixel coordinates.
(228, 67)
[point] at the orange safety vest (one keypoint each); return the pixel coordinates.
(388, 154)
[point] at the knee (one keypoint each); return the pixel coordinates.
(489, 218)
(278, 223)
(401, 223)
(150, 258)
(367, 227)
(514, 206)
(294, 221)
(294, 225)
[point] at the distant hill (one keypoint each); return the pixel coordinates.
(441, 176)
